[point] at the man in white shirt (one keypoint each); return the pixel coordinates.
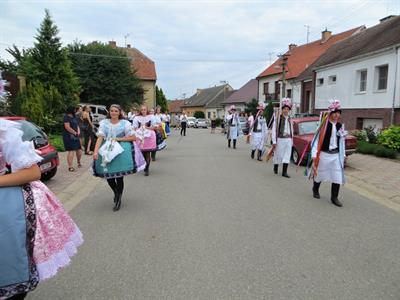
(183, 120)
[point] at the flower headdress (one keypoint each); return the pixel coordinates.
(286, 103)
(334, 106)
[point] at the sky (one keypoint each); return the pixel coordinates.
(195, 44)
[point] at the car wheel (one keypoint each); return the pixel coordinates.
(295, 156)
(48, 175)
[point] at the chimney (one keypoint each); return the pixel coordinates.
(198, 92)
(128, 46)
(326, 34)
(113, 44)
(292, 46)
(387, 18)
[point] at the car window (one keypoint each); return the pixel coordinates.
(308, 127)
(93, 108)
(102, 111)
(30, 131)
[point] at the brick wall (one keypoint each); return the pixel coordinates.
(352, 118)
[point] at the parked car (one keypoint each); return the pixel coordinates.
(191, 121)
(303, 132)
(244, 125)
(48, 166)
(99, 112)
(201, 123)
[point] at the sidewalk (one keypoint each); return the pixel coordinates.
(376, 178)
(72, 187)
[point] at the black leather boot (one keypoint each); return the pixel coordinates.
(252, 154)
(276, 168)
(234, 144)
(284, 171)
(117, 205)
(115, 194)
(334, 195)
(315, 190)
(259, 152)
(229, 143)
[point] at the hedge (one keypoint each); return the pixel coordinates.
(375, 149)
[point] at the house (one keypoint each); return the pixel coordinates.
(242, 96)
(145, 70)
(175, 109)
(363, 72)
(209, 101)
(299, 58)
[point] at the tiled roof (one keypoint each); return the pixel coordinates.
(144, 66)
(381, 36)
(175, 106)
(204, 96)
(301, 57)
(218, 101)
(245, 94)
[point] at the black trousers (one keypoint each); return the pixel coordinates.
(147, 157)
(183, 128)
(116, 184)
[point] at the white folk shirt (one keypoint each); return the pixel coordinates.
(286, 130)
(333, 140)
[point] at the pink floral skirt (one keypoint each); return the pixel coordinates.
(57, 236)
(149, 143)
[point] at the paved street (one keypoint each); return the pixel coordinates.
(209, 223)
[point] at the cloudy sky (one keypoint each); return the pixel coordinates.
(195, 44)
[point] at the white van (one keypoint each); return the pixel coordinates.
(99, 112)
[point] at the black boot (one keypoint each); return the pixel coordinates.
(229, 143)
(276, 169)
(146, 171)
(234, 144)
(334, 195)
(117, 205)
(284, 171)
(252, 153)
(315, 190)
(115, 194)
(259, 152)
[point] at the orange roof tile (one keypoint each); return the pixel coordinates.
(175, 106)
(301, 57)
(145, 68)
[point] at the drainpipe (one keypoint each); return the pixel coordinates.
(394, 88)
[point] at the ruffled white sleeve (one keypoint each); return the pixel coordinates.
(128, 128)
(102, 128)
(18, 154)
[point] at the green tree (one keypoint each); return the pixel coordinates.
(161, 100)
(269, 111)
(47, 63)
(105, 75)
(251, 107)
(198, 114)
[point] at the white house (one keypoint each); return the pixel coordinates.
(363, 73)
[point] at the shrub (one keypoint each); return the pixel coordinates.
(390, 138)
(361, 135)
(385, 152)
(218, 122)
(375, 149)
(372, 135)
(365, 147)
(57, 142)
(199, 114)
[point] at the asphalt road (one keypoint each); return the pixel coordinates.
(210, 223)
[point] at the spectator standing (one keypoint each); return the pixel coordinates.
(78, 114)
(88, 128)
(71, 133)
(183, 120)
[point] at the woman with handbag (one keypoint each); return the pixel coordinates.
(113, 164)
(37, 236)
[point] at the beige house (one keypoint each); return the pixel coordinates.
(145, 70)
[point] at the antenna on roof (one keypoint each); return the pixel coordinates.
(126, 36)
(308, 31)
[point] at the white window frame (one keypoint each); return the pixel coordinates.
(319, 83)
(358, 81)
(332, 79)
(377, 78)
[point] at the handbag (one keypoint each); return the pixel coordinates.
(109, 151)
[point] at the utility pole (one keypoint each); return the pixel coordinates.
(308, 31)
(270, 57)
(126, 36)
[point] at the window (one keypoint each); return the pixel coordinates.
(266, 86)
(320, 81)
(102, 111)
(289, 93)
(382, 77)
(332, 79)
(209, 115)
(361, 81)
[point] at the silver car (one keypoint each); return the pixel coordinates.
(201, 123)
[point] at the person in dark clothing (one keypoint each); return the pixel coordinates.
(71, 139)
(183, 120)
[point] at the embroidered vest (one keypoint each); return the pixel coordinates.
(327, 138)
(282, 127)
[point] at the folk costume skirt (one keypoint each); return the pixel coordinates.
(329, 168)
(257, 141)
(283, 151)
(233, 133)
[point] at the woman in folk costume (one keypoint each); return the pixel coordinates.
(142, 124)
(37, 236)
(282, 138)
(115, 154)
(328, 152)
(234, 130)
(258, 131)
(158, 125)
